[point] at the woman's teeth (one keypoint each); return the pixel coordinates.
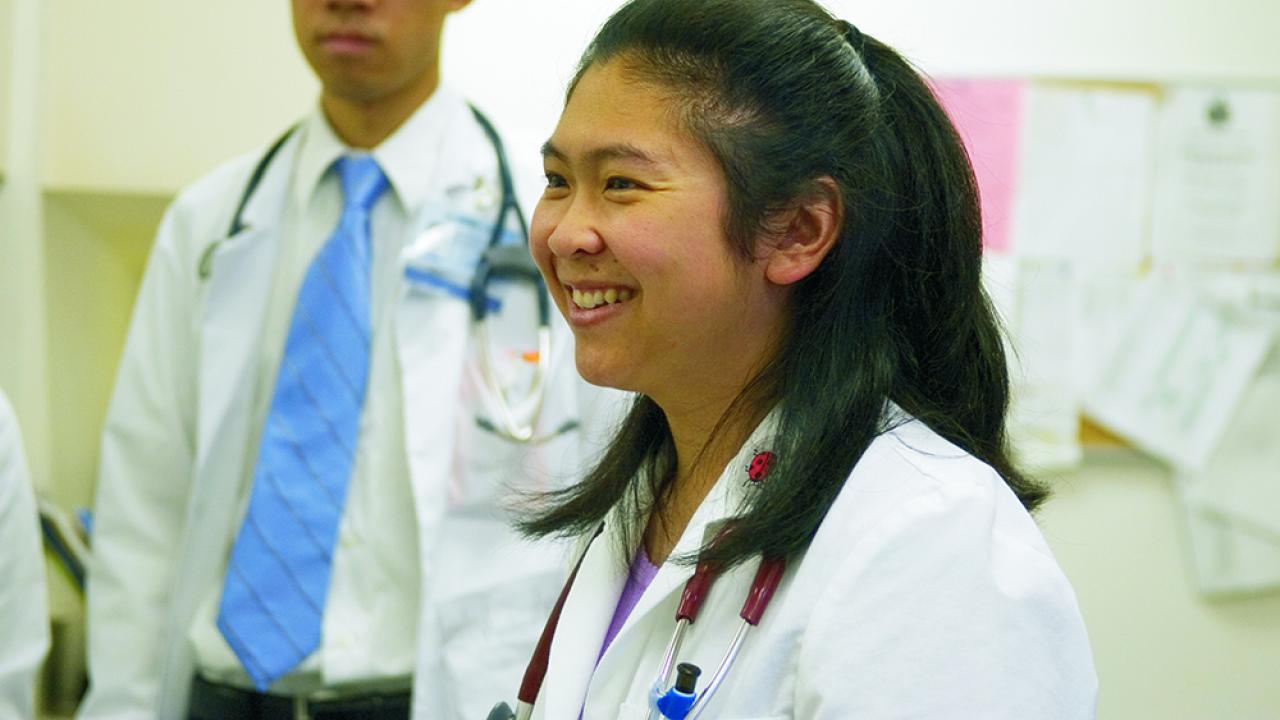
(587, 299)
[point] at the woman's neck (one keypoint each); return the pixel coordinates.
(709, 420)
(704, 446)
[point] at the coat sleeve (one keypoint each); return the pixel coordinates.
(144, 479)
(952, 608)
(24, 616)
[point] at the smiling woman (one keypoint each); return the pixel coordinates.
(759, 220)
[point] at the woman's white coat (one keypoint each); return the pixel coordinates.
(928, 592)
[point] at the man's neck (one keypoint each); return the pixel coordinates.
(365, 124)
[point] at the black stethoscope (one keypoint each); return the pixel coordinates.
(505, 261)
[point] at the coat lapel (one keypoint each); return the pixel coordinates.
(654, 614)
(240, 271)
(235, 298)
(671, 577)
(583, 622)
(235, 301)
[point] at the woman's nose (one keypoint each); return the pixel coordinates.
(575, 232)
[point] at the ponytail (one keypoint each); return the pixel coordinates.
(955, 376)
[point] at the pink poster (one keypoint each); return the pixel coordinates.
(988, 115)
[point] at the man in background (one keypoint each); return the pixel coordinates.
(298, 505)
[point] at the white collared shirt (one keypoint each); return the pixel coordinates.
(369, 628)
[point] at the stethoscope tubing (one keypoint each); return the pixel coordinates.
(763, 587)
(722, 670)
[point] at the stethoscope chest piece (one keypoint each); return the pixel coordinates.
(676, 703)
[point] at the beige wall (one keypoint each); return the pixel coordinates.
(6, 27)
(23, 370)
(143, 96)
(140, 98)
(95, 247)
(1161, 650)
(128, 91)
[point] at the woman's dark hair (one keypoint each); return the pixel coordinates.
(784, 94)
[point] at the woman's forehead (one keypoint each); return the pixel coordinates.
(611, 115)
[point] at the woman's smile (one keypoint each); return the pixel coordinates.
(594, 304)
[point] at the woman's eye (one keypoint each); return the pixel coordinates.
(555, 180)
(620, 183)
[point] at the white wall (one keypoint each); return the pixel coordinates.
(141, 97)
(539, 41)
(1161, 651)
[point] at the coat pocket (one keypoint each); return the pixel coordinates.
(488, 636)
(492, 470)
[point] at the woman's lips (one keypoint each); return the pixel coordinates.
(595, 303)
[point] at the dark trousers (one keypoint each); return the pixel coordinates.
(213, 701)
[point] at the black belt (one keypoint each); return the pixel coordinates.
(212, 701)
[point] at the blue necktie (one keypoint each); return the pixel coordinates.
(277, 579)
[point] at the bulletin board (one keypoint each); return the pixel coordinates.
(1132, 242)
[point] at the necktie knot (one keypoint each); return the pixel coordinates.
(362, 181)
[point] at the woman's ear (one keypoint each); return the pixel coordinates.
(807, 232)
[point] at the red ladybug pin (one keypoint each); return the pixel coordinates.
(759, 466)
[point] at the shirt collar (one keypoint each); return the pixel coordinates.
(409, 156)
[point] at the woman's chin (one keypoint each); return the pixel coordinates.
(603, 374)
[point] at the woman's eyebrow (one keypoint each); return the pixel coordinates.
(614, 151)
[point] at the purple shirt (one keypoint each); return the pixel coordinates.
(642, 573)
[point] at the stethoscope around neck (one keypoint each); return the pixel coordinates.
(498, 261)
(681, 700)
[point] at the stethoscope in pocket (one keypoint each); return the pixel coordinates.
(681, 700)
(509, 262)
